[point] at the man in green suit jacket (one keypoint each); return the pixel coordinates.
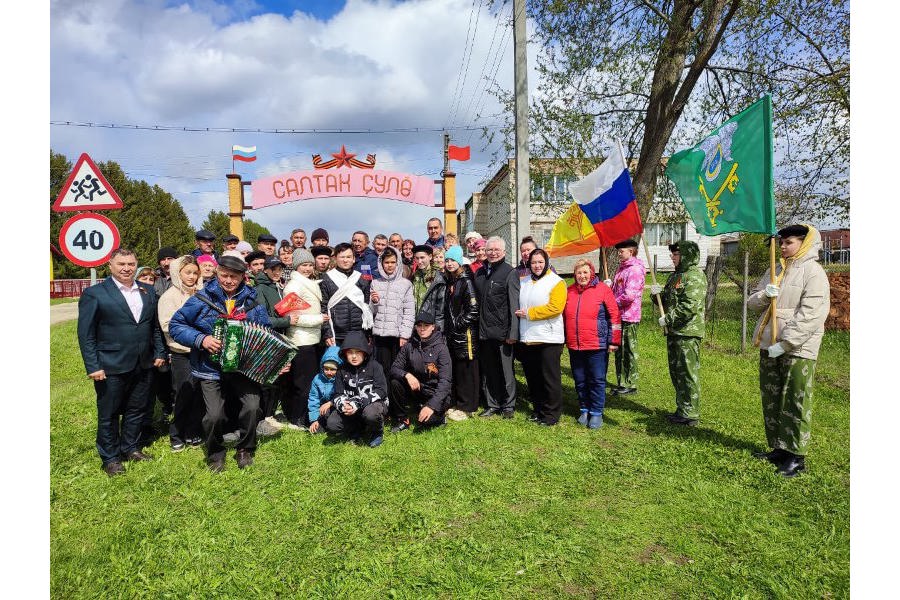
(121, 343)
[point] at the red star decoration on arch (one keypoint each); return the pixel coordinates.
(343, 157)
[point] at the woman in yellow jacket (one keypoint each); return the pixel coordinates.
(542, 298)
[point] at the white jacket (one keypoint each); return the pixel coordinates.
(536, 295)
(309, 331)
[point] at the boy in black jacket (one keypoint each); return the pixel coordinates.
(421, 375)
(360, 392)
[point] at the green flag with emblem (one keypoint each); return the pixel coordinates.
(725, 181)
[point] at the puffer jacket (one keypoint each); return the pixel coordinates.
(803, 302)
(628, 288)
(194, 321)
(591, 317)
(497, 286)
(269, 294)
(308, 332)
(684, 295)
(345, 316)
(428, 361)
(434, 299)
(173, 299)
(461, 315)
(395, 311)
(361, 385)
(322, 389)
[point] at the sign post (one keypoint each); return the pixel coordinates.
(87, 239)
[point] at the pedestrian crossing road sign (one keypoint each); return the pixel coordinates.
(86, 189)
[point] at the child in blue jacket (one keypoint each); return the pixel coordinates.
(322, 388)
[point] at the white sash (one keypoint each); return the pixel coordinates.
(347, 288)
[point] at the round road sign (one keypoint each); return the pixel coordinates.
(88, 239)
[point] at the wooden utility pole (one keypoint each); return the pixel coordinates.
(523, 179)
(235, 205)
(448, 191)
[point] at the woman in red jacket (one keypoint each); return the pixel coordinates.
(593, 329)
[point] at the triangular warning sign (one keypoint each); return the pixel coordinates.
(86, 189)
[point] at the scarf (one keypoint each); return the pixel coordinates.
(785, 263)
(347, 288)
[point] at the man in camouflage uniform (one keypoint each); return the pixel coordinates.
(684, 298)
(787, 367)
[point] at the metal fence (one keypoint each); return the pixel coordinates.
(69, 288)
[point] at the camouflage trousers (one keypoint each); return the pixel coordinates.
(786, 387)
(684, 371)
(627, 357)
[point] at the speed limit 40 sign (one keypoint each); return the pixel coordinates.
(88, 239)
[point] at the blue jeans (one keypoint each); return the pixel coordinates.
(589, 372)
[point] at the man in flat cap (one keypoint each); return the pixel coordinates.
(192, 326)
(628, 290)
(265, 243)
(684, 302)
(205, 239)
(230, 242)
(319, 237)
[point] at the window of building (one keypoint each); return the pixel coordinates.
(663, 234)
(552, 188)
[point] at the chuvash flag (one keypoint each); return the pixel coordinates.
(243, 153)
(604, 213)
(725, 181)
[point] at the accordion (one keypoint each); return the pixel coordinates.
(251, 349)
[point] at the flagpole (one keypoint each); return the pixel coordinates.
(605, 266)
(774, 301)
(662, 311)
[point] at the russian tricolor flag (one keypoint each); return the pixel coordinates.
(606, 198)
(244, 153)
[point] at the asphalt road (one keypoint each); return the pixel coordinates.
(63, 312)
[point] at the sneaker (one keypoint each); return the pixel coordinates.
(534, 418)
(626, 391)
(595, 422)
(376, 440)
(401, 426)
(274, 423)
(678, 420)
(196, 441)
(583, 418)
(230, 438)
(296, 427)
(456, 415)
(177, 446)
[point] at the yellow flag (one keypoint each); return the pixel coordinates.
(572, 234)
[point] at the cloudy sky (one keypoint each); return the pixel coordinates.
(309, 64)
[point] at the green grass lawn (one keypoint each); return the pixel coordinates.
(62, 300)
(477, 509)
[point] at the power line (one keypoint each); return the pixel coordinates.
(458, 95)
(268, 130)
(479, 80)
(461, 61)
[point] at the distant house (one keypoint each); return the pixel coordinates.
(492, 212)
(835, 246)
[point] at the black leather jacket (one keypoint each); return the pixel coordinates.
(461, 315)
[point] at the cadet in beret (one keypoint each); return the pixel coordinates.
(787, 367)
(628, 290)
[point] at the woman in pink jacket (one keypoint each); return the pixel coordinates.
(628, 290)
(593, 329)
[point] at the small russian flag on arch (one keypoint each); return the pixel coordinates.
(243, 153)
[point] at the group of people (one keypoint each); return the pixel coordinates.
(415, 334)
